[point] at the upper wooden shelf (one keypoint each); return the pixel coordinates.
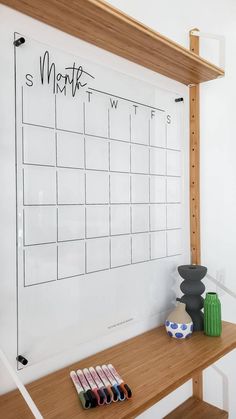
(152, 364)
(99, 23)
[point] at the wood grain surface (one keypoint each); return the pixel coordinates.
(99, 23)
(152, 364)
(194, 158)
(194, 408)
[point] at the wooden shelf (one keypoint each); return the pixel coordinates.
(97, 22)
(197, 409)
(153, 365)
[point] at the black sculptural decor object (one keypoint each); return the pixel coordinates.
(192, 288)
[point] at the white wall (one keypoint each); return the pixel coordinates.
(218, 150)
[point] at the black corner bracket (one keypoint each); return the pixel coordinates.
(19, 41)
(22, 360)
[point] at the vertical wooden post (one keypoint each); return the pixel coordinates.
(194, 163)
(197, 384)
(197, 380)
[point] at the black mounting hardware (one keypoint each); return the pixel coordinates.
(22, 360)
(179, 99)
(19, 41)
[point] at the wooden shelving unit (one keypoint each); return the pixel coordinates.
(194, 408)
(153, 365)
(100, 24)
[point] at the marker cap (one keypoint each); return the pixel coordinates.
(121, 392)
(84, 400)
(108, 396)
(92, 398)
(102, 396)
(128, 389)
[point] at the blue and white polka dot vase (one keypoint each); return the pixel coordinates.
(179, 324)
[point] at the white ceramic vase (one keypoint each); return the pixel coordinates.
(179, 324)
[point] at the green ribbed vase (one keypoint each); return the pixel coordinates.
(212, 315)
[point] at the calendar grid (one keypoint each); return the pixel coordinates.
(110, 175)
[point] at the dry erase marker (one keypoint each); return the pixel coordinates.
(82, 394)
(87, 389)
(100, 385)
(114, 384)
(121, 383)
(106, 383)
(100, 396)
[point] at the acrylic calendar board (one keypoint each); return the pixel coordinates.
(101, 203)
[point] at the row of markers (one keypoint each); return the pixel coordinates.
(100, 385)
